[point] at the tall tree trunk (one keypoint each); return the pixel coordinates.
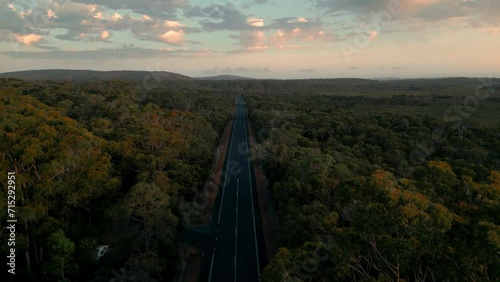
(28, 262)
(62, 270)
(36, 252)
(90, 218)
(397, 273)
(27, 252)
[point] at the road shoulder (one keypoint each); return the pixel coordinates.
(268, 226)
(192, 256)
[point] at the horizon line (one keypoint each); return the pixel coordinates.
(253, 78)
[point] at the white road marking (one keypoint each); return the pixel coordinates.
(227, 166)
(211, 266)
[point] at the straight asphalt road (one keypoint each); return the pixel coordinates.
(237, 248)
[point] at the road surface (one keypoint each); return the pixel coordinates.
(236, 251)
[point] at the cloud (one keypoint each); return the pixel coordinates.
(219, 17)
(28, 39)
(160, 8)
(214, 11)
(253, 41)
(172, 24)
(353, 6)
(92, 20)
(472, 12)
(291, 39)
(51, 14)
(426, 10)
(257, 22)
(278, 39)
(294, 22)
(493, 30)
(296, 30)
(415, 15)
(298, 20)
(104, 34)
(282, 33)
(12, 21)
(98, 20)
(103, 54)
(172, 37)
(71, 12)
(116, 17)
(142, 28)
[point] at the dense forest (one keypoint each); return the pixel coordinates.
(373, 195)
(372, 180)
(104, 163)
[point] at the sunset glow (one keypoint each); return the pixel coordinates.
(262, 39)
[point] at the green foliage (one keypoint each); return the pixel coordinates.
(372, 196)
(370, 182)
(108, 163)
(149, 206)
(61, 251)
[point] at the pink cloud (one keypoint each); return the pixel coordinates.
(287, 39)
(172, 37)
(494, 30)
(28, 39)
(104, 35)
(116, 17)
(373, 35)
(51, 14)
(172, 24)
(299, 20)
(253, 41)
(98, 15)
(278, 39)
(257, 22)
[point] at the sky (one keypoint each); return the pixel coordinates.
(255, 38)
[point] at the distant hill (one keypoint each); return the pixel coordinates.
(82, 75)
(225, 77)
(387, 78)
